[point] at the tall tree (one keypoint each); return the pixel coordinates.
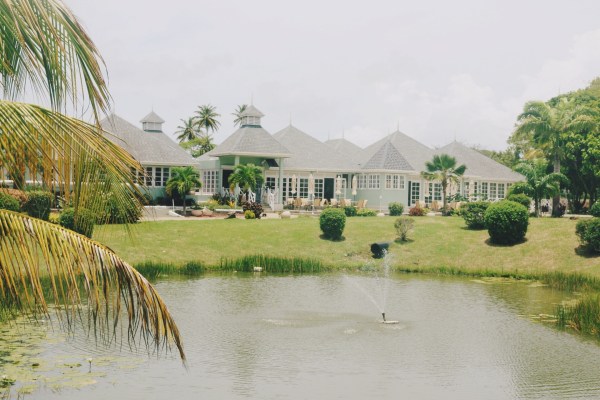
(188, 130)
(238, 114)
(206, 118)
(443, 169)
(45, 48)
(198, 146)
(182, 180)
(247, 177)
(539, 184)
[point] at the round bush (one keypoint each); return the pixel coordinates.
(595, 209)
(396, 209)
(332, 222)
(82, 223)
(506, 222)
(474, 213)
(521, 199)
(38, 204)
(588, 231)
(417, 211)
(7, 202)
(350, 211)
(249, 214)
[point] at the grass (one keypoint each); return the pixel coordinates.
(583, 316)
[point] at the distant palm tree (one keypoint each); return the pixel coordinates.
(247, 177)
(238, 114)
(188, 130)
(538, 183)
(443, 169)
(206, 118)
(182, 180)
(199, 145)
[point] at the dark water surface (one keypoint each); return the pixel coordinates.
(319, 337)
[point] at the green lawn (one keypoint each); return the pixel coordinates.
(435, 242)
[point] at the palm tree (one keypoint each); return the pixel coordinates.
(45, 48)
(238, 114)
(247, 177)
(206, 118)
(443, 169)
(199, 145)
(539, 184)
(188, 130)
(182, 180)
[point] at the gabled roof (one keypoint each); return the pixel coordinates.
(479, 165)
(149, 148)
(152, 117)
(311, 154)
(344, 146)
(251, 141)
(394, 151)
(252, 111)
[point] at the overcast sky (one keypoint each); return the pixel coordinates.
(440, 70)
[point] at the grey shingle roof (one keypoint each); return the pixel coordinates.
(396, 150)
(152, 117)
(478, 165)
(344, 146)
(149, 148)
(311, 154)
(251, 141)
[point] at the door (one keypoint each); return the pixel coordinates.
(328, 185)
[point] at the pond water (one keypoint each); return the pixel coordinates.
(311, 337)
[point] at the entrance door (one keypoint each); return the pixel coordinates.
(225, 181)
(328, 185)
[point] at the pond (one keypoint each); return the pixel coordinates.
(300, 337)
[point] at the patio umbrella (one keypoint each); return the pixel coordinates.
(311, 185)
(354, 184)
(338, 185)
(294, 182)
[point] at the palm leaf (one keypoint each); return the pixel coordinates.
(33, 249)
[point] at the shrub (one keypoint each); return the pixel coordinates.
(7, 202)
(82, 223)
(521, 199)
(366, 212)
(506, 222)
(253, 206)
(595, 209)
(332, 222)
(474, 213)
(114, 213)
(417, 211)
(38, 204)
(588, 231)
(248, 214)
(403, 225)
(396, 209)
(18, 195)
(350, 211)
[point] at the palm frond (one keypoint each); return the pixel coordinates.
(33, 250)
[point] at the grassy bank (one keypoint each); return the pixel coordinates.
(438, 245)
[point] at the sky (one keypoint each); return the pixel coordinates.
(437, 70)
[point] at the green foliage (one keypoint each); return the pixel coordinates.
(248, 214)
(442, 168)
(7, 202)
(38, 204)
(506, 222)
(332, 222)
(253, 206)
(403, 225)
(396, 209)
(588, 231)
(182, 180)
(538, 183)
(520, 198)
(350, 211)
(595, 209)
(366, 212)
(584, 316)
(154, 270)
(115, 212)
(417, 211)
(246, 177)
(474, 213)
(273, 264)
(82, 223)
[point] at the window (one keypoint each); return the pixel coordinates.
(149, 176)
(303, 188)
(166, 174)
(362, 181)
(475, 189)
(157, 176)
(415, 192)
(493, 193)
(210, 181)
(501, 194)
(373, 182)
(270, 183)
(394, 182)
(319, 188)
(466, 188)
(484, 190)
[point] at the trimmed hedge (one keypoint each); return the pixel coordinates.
(588, 231)
(38, 204)
(474, 213)
(82, 223)
(7, 202)
(521, 199)
(506, 222)
(396, 209)
(366, 212)
(350, 211)
(595, 209)
(332, 222)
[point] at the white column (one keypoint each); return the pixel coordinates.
(280, 184)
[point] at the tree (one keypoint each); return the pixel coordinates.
(538, 183)
(182, 180)
(188, 131)
(246, 177)
(45, 48)
(198, 146)
(443, 169)
(206, 118)
(238, 114)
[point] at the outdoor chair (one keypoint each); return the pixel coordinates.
(317, 203)
(333, 202)
(297, 203)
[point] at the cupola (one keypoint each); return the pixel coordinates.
(152, 123)
(251, 117)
